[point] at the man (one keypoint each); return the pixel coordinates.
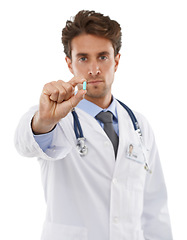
(102, 194)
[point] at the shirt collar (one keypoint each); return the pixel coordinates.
(93, 109)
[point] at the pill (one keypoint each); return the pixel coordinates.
(84, 85)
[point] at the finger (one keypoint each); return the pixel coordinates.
(51, 90)
(77, 80)
(66, 106)
(58, 91)
(66, 91)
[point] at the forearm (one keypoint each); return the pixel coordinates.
(43, 133)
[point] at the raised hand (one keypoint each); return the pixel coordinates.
(56, 101)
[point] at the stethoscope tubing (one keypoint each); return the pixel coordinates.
(78, 128)
(131, 114)
(82, 148)
(77, 125)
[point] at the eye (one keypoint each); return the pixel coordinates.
(82, 59)
(103, 57)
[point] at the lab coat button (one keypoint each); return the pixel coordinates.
(116, 220)
(107, 143)
(115, 181)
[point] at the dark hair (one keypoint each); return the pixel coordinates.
(90, 22)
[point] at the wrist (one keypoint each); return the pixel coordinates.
(40, 126)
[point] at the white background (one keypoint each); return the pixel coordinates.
(150, 79)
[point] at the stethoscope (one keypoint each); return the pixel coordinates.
(83, 149)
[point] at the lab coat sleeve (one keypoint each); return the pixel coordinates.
(27, 146)
(155, 217)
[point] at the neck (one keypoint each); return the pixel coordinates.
(103, 102)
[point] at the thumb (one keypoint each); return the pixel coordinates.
(77, 98)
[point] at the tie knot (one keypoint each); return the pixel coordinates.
(105, 117)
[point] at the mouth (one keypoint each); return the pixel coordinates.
(94, 82)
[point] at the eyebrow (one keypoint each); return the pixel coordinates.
(81, 55)
(86, 54)
(103, 53)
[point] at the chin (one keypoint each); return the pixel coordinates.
(96, 94)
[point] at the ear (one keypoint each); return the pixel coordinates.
(117, 58)
(69, 63)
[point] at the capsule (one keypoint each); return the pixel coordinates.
(84, 85)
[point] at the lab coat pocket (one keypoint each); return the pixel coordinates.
(53, 231)
(133, 191)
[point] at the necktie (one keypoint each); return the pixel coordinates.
(107, 119)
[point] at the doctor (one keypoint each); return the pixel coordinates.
(105, 194)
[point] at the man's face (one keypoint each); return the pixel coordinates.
(93, 59)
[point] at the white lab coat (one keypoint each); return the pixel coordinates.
(95, 197)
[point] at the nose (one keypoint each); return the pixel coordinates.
(94, 69)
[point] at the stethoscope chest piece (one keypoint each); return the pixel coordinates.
(81, 147)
